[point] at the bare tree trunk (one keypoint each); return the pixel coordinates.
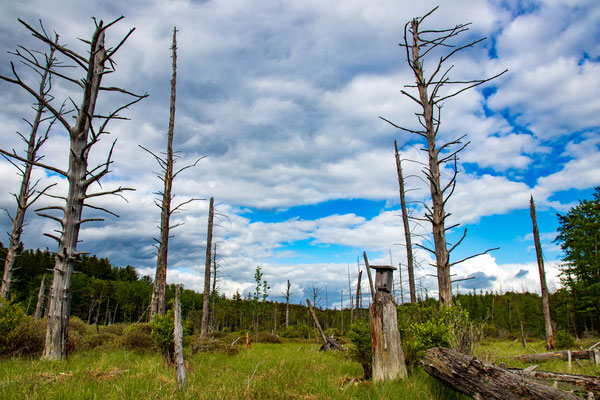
(26, 194)
(178, 339)
(371, 287)
(350, 294)
(213, 292)
(158, 304)
(40, 301)
(342, 310)
(287, 304)
(540, 260)
(388, 357)
(204, 327)
(401, 288)
(409, 253)
(358, 295)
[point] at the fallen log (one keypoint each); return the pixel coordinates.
(482, 380)
(586, 383)
(329, 343)
(561, 355)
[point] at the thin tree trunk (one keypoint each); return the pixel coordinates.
(401, 288)
(213, 292)
(342, 310)
(358, 295)
(409, 253)
(287, 304)
(540, 260)
(40, 301)
(350, 294)
(316, 321)
(204, 327)
(178, 339)
(158, 304)
(26, 191)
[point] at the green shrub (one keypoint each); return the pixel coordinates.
(333, 331)
(361, 349)
(213, 345)
(264, 337)
(162, 334)
(289, 332)
(14, 326)
(563, 340)
(138, 337)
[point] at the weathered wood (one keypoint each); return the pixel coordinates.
(39, 308)
(544, 286)
(178, 339)
(561, 355)
(329, 343)
(407, 238)
(388, 357)
(482, 380)
(585, 383)
(358, 294)
(204, 326)
(371, 287)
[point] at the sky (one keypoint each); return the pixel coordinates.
(283, 100)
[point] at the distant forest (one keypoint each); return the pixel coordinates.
(105, 294)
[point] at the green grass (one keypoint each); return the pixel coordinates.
(266, 371)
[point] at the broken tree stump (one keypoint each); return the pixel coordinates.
(388, 357)
(482, 380)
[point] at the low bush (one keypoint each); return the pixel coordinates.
(361, 349)
(138, 337)
(563, 340)
(213, 345)
(14, 326)
(265, 337)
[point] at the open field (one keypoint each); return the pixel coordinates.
(291, 370)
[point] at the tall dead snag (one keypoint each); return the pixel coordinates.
(213, 292)
(178, 340)
(28, 193)
(482, 380)
(540, 261)
(40, 301)
(167, 175)
(83, 135)
(211, 213)
(418, 43)
(388, 357)
(358, 295)
(286, 294)
(408, 241)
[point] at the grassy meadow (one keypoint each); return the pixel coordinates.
(290, 370)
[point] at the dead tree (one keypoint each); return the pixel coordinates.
(358, 295)
(211, 213)
(544, 287)
(350, 294)
(329, 343)
(83, 134)
(178, 340)
(286, 294)
(40, 301)
(213, 292)
(482, 380)
(407, 239)
(28, 193)
(167, 176)
(418, 43)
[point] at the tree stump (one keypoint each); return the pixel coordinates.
(388, 357)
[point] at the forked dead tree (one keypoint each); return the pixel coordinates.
(544, 286)
(83, 134)
(28, 193)
(167, 175)
(433, 90)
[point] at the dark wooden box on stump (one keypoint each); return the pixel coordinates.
(384, 275)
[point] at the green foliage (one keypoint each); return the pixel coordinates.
(300, 331)
(14, 326)
(563, 340)
(138, 337)
(220, 345)
(162, 331)
(362, 347)
(579, 238)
